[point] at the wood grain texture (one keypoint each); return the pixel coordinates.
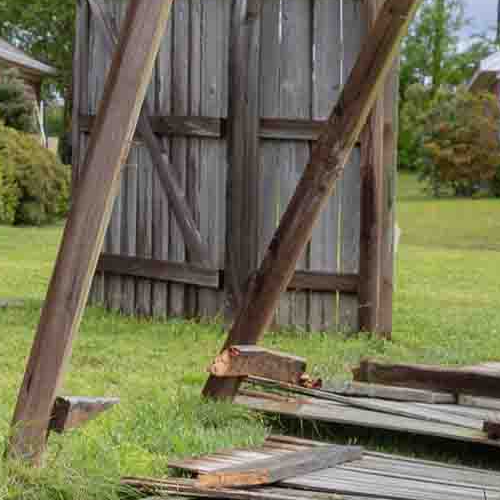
(244, 361)
(348, 388)
(164, 125)
(372, 207)
(327, 163)
(325, 241)
(152, 269)
(474, 381)
(243, 149)
(354, 33)
(336, 413)
(84, 232)
(272, 470)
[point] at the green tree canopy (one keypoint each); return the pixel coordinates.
(45, 29)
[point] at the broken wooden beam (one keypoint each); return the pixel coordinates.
(328, 159)
(243, 361)
(83, 238)
(272, 470)
(73, 412)
(471, 380)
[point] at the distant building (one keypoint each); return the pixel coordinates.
(32, 71)
(487, 77)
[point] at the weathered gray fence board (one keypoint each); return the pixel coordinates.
(161, 217)
(98, 69)
(180, 106)
(326, 90)
(353, 28)
(295, 102)
(306, 52)
(215, 32)
(193, 173)
(269, 105)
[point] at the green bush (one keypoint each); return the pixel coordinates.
(34, 184)
(16, 109)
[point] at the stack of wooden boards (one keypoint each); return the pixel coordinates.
(457, 403)
(356, 476)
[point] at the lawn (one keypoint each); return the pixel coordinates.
(446, 311)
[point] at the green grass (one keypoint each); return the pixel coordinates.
(446, 311)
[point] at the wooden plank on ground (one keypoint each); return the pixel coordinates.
(427, 413)
(349, 388)
(474, 381)
(479, 402)
(336, 413)
(272, 470)
(327, 163)
(84, 232)
(242, 361)
(73, 412)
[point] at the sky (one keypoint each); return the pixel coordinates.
(483, 15)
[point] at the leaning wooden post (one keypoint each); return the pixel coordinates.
(328, 160)
(89, 216)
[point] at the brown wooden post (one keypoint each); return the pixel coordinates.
(89, 216)
(372, 201)
(391, 115)
(328, 159)
(243, 148)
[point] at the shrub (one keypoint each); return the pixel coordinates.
(460, 144)
(16, 109)
(35, 185)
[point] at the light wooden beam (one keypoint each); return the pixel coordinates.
(244, 361)
(326, 165)
(83, 237)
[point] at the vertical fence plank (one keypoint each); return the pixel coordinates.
(180, 103)
(144, 227)
(243, 149)
(353, 27)
(372, 206)
(295, 102)
(98, 68)
(389, 199)
(161, 217)
(194, 160)
(113, 283)
(213, 152)
(326, 90)
(270, 63)
(129, 227)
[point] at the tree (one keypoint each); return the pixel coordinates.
(16, 109)
(460, 142)
(45, 29)
(430, 49)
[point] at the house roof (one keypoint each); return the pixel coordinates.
(15, 56)
(487, 74)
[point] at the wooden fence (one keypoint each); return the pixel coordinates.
(237, 132)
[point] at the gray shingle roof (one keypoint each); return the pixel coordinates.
(16, 56)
